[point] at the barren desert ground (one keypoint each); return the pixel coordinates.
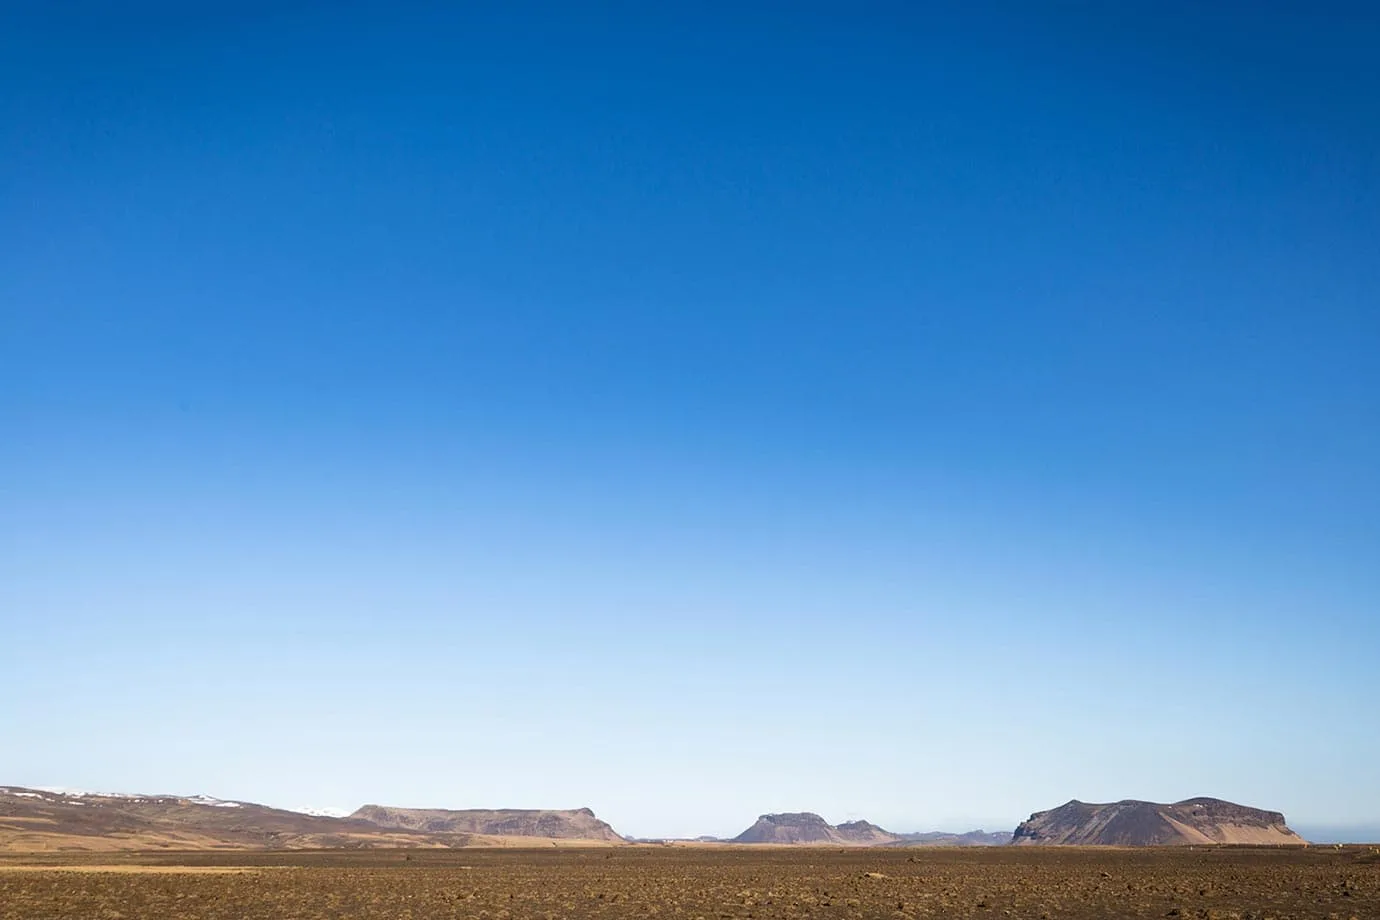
(688, 883)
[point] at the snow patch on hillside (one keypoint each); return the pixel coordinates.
(213, 802)
(68, 792)
(323, 812)
(70, 796)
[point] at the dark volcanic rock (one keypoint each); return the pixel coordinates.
(1135, 823)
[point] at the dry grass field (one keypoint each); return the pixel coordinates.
(698, 883)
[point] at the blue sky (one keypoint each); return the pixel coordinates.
(890, 410)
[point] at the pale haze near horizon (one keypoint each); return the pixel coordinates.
(911, 415)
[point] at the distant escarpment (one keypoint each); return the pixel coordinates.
(1132, 823)
(570, 824)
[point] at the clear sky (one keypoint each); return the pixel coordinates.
(925, 413)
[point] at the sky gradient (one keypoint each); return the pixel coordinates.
(893, 411)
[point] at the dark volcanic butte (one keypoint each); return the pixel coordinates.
(1133, 823)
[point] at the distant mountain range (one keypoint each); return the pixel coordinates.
(38, 819)
(1339, 833)
(978, 838)
(49, 819)
(1135, 823)
(810, 828)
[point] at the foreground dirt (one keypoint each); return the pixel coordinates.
(674, 883)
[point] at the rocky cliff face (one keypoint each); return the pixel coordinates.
(1135, 823)
(573, 824)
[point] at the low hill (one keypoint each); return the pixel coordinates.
(572, 824)
(45, 820)
(1135, 823)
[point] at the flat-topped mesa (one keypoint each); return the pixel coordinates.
(1135, 823)
(561, 824)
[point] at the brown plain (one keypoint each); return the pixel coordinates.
(701, 883)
